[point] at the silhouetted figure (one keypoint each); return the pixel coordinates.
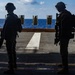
(64, 34)
(1, 39)
(49, 19)
(11, 27)
(35, 20)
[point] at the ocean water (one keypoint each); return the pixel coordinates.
(28, 23)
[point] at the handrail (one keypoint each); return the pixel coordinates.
(36, 30)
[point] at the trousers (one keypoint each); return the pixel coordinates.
(64, 52)
(10, 45)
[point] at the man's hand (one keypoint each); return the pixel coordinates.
(56, 41)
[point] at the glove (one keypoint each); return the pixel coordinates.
(56, 41)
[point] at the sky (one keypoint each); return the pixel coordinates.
(42, 8)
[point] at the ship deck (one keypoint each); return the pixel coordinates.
(37, 54)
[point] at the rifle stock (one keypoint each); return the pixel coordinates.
(57, 29)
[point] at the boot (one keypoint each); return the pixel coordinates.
(9, 72)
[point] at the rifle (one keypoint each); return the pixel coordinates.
(56, 40)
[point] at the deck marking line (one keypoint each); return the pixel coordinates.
(34, 42)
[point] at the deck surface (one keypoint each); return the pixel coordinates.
(37, 54)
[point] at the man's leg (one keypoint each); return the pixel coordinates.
(14, 53)
(10, 57)
(64, 54)
(1, 42)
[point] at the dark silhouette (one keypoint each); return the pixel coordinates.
(1, 40)
(49, 19)
(35, 20)
(63, 33)
(11, 27)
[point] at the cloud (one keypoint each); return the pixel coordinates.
(33, 2)
(41, 3)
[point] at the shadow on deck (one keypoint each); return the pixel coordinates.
(35, 64)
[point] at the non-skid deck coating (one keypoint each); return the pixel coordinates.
(42, 59)
(43, 40)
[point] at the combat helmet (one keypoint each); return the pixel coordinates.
(10, 6)
(60, 5)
